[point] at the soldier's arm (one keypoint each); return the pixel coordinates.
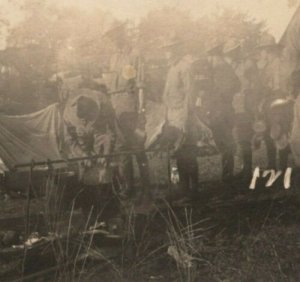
(130, 74)
(109, 114)
(188, 89)
(226, 82)
(74, 142)
(103, 142)
(104, 133)
(236, 84)
(254, 87)
(140, 72)
(277, 76)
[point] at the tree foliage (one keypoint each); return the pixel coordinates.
(67, 37)
(51, 39)
(159, 25)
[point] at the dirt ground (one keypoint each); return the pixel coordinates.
(227, 233)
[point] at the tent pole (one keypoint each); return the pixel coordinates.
(28, 200)
(60, 161)
(169, 175)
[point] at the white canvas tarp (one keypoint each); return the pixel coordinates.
(35, 136)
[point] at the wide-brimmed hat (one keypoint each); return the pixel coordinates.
(231, 45)
(267, 41)
(214, 46)
(117, 31)
(173, 42)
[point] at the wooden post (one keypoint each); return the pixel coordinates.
(29, 189)
(169, 174)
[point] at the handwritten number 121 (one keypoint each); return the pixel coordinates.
(273, 176)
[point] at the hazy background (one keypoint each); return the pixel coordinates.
(40, 39)
(276, 13)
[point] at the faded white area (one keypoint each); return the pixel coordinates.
(275, 13)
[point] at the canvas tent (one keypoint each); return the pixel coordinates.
(290, 42)
(35, 136)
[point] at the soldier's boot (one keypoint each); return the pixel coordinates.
(125, 181)
(271, 152)
(143, 165)
(184, 179)
(184, 196)
(283, 158)
(188, 174)
(227, 166)
(144, 199)
(194, 177)
(246, 174)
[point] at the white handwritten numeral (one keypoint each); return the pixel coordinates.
(273, 177)
(287, 178)
(254, 178)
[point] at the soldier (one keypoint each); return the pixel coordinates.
(180, 102)
(90, 131)
(245, 102)
(294, 126)
(126, 82)
(269, 66)
(218, 101)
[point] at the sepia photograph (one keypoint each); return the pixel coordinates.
(149, 140)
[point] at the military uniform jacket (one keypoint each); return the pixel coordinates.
(95, 137)
(178, 93)
(123, 75)
(247, 100)
(225, 84)
(270, 73)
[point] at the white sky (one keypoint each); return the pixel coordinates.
(276, 13)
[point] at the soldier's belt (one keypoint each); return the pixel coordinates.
(120, 91)
(116, 92)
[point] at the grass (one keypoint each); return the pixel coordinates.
(184, 239)
(212, 250)
(210, 241)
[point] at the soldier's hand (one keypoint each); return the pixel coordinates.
(113, 138)
(102, 162)
(130, 87)
(87, 163)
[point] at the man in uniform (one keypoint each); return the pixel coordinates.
(180, 102)
(218, 102)
(245, 102)
(269, 66)
(90, 131)
(126, 84)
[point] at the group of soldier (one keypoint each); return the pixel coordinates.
(236, 94)
(227, 90)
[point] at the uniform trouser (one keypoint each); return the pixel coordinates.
(246, 149)
(222, 129)
(284, 157)
(271, 150)
(127, 123)
(187, 165)
(244, 136)
(283, 154)
(185, 156)
(270, 144)
(126, 171)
